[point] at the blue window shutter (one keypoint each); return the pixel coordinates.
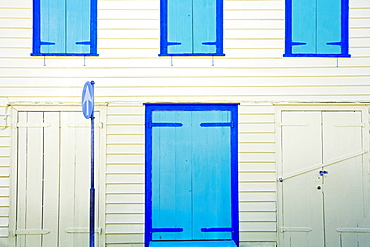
(78, 26)
(204, 26)
(329, 27)
(52, 26)
(304, 38)
(179, 27)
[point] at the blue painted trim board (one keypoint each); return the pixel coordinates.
(191, 55)
(193, 244)
(36, 27)
(288, 27)
(219, 27)
(320, 14)
(345, 27)
(62, 49)
(163, 27)
(93, 27)
(316, 55)
(233, 109)
(64, 54)
(148, 177)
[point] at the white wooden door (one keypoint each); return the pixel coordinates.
(323, 180)
(344, 186)
(302, 201)
(53, 179)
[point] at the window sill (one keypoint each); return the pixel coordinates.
(316, 55)
(64, 54)
(193, 55)
(225, 243)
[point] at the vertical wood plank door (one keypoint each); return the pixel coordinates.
(324, 180)
(191, 176)
(345, 186)
(302, 201)
(53, 180)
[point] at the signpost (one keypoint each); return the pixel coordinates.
(88, 111)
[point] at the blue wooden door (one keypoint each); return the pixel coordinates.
(191, 178)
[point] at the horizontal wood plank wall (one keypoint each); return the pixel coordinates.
(257, 173)
(125, 174)
(4, 173)
(129, 72)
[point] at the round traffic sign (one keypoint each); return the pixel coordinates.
(88, 99)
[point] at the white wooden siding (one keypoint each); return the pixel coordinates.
(129, 72)
(4, 174)
(125, 174)
(257, 186)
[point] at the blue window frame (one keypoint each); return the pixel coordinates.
(64, 28)
(316, 28)
(191, 28)
(191, 175)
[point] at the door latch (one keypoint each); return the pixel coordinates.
(323, 172)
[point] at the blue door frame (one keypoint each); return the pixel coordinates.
(230, 232)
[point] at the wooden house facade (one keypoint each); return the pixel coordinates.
(217, 123)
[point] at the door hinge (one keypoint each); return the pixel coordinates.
(296, 229)
(350, 125)
(82, 230)
(33, 125)
(293, 124)
(151, 125)
(31, 232)
(85, 125)
(353, 230)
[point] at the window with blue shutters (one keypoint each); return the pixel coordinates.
(64, 28)
(316, 28)
(191, 28)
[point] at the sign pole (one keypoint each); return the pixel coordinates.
(92, 189)
(88, 112)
